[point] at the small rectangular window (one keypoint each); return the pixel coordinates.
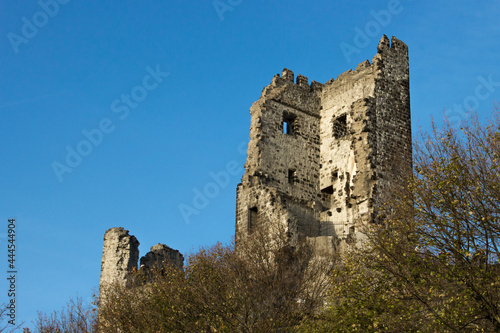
(286, 127)
(291, 176)
(288, 123)
(252, 218)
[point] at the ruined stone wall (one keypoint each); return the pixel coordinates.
(256, 205)
(345, 147)
(393, 123)
(283, 155)
(120, 255)
(272, 155)
(325, 174)
(161, 255)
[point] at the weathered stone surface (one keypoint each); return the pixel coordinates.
(321, 156)
(120, 254)
(161, 255)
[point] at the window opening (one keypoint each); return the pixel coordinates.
(288, 124)
(328, 190)
(291, 176)
(252, 218)
(340, 127)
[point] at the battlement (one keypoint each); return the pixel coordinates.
(288, 77)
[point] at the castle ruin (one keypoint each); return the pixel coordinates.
(321, 156)
(120, 255)
(319, 161)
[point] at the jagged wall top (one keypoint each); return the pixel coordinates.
(287, 76)
(385, 47)
(395, 44)
(121, 253)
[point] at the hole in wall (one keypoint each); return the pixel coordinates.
(291, 176)
(340, 127)
(288, 123)
(328, 190)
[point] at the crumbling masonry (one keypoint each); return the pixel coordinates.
(120, 254)
(321, 156)
(320, 159)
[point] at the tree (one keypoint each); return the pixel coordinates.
(4, 320)
(274, 281)
(433, 261)
(267, 284)
(76, 317)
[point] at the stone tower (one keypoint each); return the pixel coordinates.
(120, 254)
(321, 156)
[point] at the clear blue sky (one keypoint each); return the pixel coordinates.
(84, 68)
